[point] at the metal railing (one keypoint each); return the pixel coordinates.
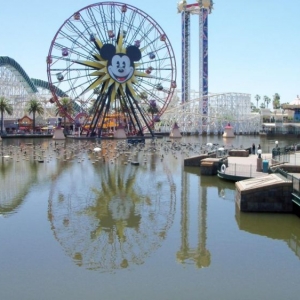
(295, 180)
(240, 170)
(281, 158)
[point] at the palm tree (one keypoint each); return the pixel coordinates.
(66, 108)
(276, 101)
(5, 106)
(257, 98)
(265, 100)
(34, 106)
(268, 100)
(152, 109)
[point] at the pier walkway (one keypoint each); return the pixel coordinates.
(246, 167)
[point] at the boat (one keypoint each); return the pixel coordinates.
(231, 177)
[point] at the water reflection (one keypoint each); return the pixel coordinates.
(196, 190)
(109, 215)
(282, 227)
(16, 171)
(193, 199)
(21, 168)
(197, 254)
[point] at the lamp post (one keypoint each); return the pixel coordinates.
(221, 151)
(259, 153)
(259, 161)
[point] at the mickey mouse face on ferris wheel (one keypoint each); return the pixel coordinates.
(120, 66)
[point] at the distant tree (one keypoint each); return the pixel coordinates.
(262, 105)
(152, 109)
(276, 101)
(34, 107)
(284, 106)
(5, 107)
(91, 108)
(64, 110)
(257, 98)
(267, 100)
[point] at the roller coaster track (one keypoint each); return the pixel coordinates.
(19, 72)
(45, 85)
(18, 87)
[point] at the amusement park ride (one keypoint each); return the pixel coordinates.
(202, 8)
(117, 66)
(112, 58)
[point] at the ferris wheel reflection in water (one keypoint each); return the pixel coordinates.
(116, 220)
(113, 215)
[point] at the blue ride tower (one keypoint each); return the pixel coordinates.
(201, 8)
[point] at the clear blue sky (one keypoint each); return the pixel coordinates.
(254, 46)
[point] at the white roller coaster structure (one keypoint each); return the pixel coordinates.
(18, 89)
(233, 108)
(15, 85)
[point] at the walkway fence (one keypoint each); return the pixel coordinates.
(250, 171)
(293, 179)
(291, 158)
(241, 170)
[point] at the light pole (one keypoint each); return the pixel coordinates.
(259, 153)
(275, 150)
(259, 161)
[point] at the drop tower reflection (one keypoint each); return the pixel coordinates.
(193, 194)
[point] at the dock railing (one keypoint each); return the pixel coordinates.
(295, 180)
(241, 170)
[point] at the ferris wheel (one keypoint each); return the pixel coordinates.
(113, 59)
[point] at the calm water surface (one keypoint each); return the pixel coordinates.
(80, 227)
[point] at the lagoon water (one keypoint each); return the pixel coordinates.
(78, 227)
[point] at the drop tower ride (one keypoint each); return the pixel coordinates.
(201, 8)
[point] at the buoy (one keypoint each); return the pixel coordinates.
(223, 168)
